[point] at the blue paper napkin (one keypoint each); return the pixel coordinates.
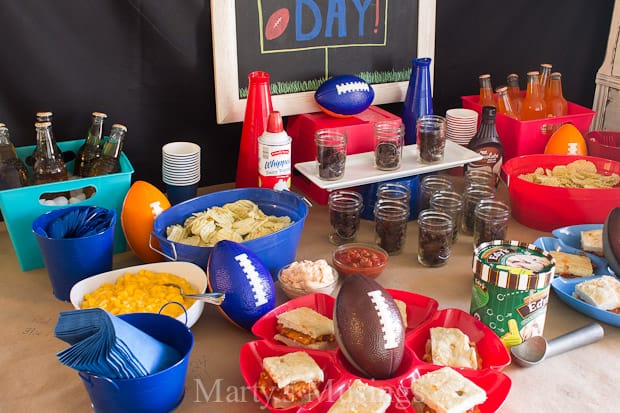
(105, 345)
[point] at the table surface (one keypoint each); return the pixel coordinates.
(33, 379)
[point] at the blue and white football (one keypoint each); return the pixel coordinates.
(238, 272)
(344, 95)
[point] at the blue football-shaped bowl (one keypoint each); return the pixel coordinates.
(344, 95)
(238, 272)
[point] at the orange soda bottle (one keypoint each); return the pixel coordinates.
(514, 92)
(504, 105)
(533, 105)
(544, 79)
(555, 103)
(486, 91)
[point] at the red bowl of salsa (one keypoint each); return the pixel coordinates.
(359, 258)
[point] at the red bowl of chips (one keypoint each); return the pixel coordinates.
(539, 205)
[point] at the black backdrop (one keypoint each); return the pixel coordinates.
(149, 65)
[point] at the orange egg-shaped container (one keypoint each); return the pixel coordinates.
(566, 140)
(142, 204)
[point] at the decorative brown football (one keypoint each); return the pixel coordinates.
(368, 327)
(611, 239)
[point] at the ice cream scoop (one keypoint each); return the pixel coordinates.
(535, 349)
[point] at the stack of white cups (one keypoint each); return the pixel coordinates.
(180, 170)
(461, 125)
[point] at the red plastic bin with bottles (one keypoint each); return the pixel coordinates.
(530, 137)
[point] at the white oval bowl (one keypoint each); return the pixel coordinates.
(191, 272)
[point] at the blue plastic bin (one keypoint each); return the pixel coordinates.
(21, 206)
(160, 392)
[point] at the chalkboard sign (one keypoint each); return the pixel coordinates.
(301, 43)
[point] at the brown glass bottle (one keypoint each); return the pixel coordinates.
(48, 164)
(109, 161)
(486, 90)
(91, 149)
(13, 172)
(488, 144)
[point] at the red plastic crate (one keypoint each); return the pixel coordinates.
(530, 137)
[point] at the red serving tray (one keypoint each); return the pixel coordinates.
(422, 314)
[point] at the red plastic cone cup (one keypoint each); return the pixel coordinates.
(257, 110)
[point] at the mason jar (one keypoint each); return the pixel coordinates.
(434, 237)
(472, 195)
(451, 203)
(490, 221)
(391, 218)
(431, 184)
(344, 215)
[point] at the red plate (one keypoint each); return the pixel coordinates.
(265, 327)
(419, 307)
(401, 400)
(493, 352)
(251, 361)
(495, 383)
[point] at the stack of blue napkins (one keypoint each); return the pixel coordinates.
(105, 345)
(80, 222)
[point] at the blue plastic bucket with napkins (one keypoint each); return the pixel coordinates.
(75, 242)
(159, 392)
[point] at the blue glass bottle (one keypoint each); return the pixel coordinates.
(419, 98)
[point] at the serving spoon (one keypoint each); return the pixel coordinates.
(535, 349)
(211, 298)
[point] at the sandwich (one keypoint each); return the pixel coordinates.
(592, 241)
(572, 265)
(603, 292)
(446, 391)
(290, 380)
(448, 346)
(303, 327)
(362, 398)
(402, 308)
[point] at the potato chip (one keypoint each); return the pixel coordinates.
(577, 174)
(237, 221)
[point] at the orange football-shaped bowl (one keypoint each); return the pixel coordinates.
(142, 204)
(567, 140)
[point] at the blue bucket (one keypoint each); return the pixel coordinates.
(275, 250)
(159, 392)
(69, 260)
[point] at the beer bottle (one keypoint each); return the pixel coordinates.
(555, 103)
(40, 117)
(13, 172)
(49, 165)
(504, 105)
(514, 92)
(533, 105)
(486, 90)
(91, 147)
(109, 160)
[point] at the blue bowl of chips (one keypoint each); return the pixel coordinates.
(274, 248)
